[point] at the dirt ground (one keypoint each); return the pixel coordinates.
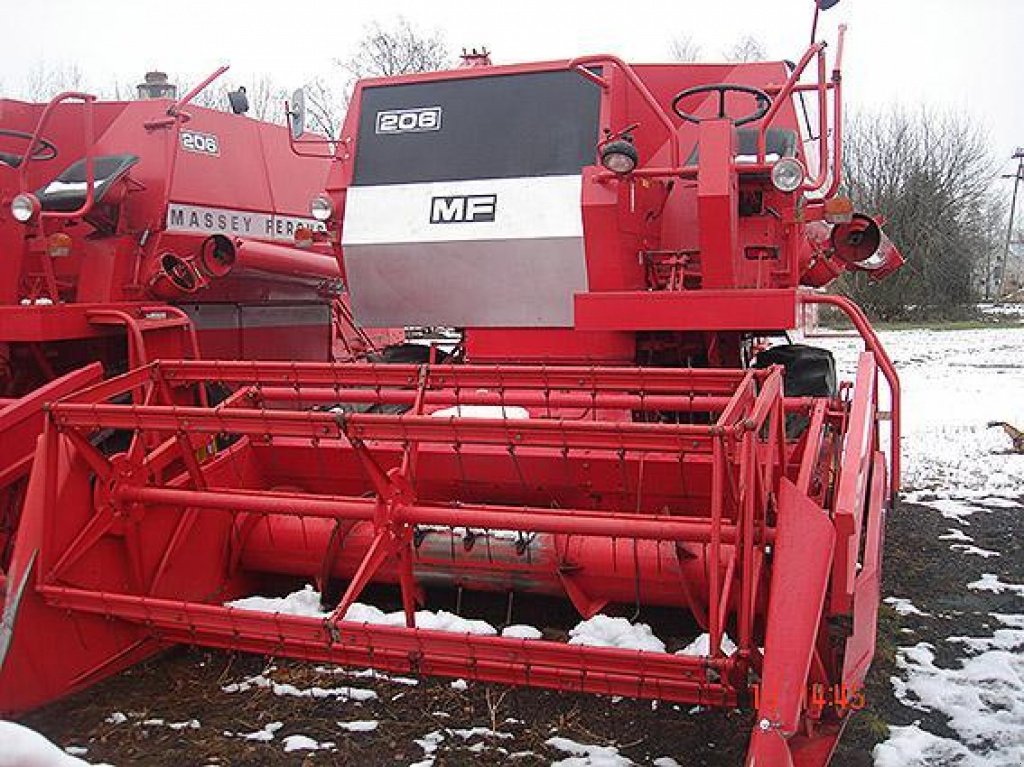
(186, 684)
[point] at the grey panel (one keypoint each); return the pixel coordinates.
(482, 283)
(492, 126)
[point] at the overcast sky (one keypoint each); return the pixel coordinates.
(960, 54)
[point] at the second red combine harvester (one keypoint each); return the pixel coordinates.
(613, 241)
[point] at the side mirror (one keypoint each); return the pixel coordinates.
(297, 113)
(238, 101)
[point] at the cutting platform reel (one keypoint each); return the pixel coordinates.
(668, 487)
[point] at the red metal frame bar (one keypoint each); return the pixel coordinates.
(511, 661)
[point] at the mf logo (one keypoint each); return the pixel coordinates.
(463, 208)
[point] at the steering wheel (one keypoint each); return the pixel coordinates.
(764, 101)
(45, 149)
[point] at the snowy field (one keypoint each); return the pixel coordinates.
(955, 696)
(969, 704)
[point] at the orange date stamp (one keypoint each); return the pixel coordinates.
(816, 695)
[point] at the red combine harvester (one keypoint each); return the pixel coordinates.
(137, 230)
(613, 242)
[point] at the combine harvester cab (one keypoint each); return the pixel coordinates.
(613, 241)
(112, 208)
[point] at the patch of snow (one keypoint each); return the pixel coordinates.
(509, 412)
(966, 548)
(666, 761)
(261, 681)
(605, 631)
(991, 582)
(304, 743)
(116, 718)
(903, 606)
(952, 509)
(306, 603)
(460, 685)
(429, 744)
(264, 735)
(425, 619)
(911, 746)
(956, 534)
(23, 747)
(367, 673)
(702, 646)
(1015, 621)
(983, 699)
(586, 755)
(76, 750)
(519, 631)
(192, 724)
(478, 732)
(359, 725)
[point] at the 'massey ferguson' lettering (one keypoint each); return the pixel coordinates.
(267, 226)
(463, 208)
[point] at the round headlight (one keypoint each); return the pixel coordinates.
(619, 156)
(321, 207)
(787, 174)
(24, 207)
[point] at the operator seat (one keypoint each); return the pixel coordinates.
(778, 142)
(67, 192)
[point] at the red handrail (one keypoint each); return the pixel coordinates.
(873, 344)
(90, 167)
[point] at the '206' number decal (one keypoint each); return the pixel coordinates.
(202, 143)
(418, 120)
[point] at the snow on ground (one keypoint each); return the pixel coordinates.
(518, 631)
(990, 582)
(605, 631)
(954, 383)
(262, 681)
(22, 747)
(586, 755)
(306, 602)
(359, 725)
(702, 646)
(304, 743)
(983, 699)
(903, 606)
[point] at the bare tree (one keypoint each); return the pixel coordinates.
(381, 52)
(685, 49)
(930, 175)
(47, 80)
(266, 99)
(748, 48)
(396, 50)
(325, 107)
